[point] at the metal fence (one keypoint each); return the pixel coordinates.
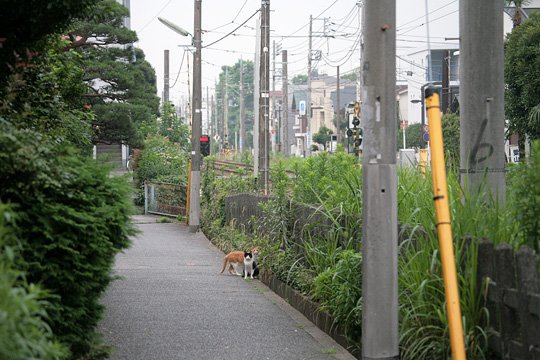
(165, 199)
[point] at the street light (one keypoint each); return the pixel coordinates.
(177, 29)
(196, 122)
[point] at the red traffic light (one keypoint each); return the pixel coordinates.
(204, 139)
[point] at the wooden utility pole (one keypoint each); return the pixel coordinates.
(242, 112)
(482, 159)
(285, 101)
(380, 338)
(308, 105)
(264, 104)
(195, 190)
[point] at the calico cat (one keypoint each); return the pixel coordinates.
(234, 259)
(248, 264)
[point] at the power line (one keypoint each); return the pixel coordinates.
(223, 37)
(422, 17)
(179, 70)
(155, 16)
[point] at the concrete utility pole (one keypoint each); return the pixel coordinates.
(165, 77)
(242, 112)
(481, 57)
(285, 91)
(256, 99)
(445, 96)
(195, 189)
(208, 131)
(380, 339)
(226, 111)
(308, 105)
(264, 105)
(338, 116)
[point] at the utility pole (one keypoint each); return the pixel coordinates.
(195, 189)
(226, 111)
(380, 339)
(338, 117)
(264, 106)
(308, 105)
(165, 78)
(208, 122)
(285, 101)
(256, 100)
(242, 112)
(445, 96)
(273, 98)
(482, 158)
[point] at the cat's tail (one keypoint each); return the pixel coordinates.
(224, 265)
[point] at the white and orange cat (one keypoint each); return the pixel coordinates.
(234, 261)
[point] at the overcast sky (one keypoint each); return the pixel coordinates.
(289, 21)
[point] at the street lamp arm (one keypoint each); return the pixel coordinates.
(177, 29)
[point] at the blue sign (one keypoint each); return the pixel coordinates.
(425, 137)
(302, 107)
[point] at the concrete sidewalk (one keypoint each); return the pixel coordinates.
(171, 302)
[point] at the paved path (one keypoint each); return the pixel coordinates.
(171, 303)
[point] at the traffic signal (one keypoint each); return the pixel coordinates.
(205, 145)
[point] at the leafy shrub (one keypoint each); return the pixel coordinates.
(339, 290)
(162, 160)
(72, 220)
(24, 333)
(525, 197)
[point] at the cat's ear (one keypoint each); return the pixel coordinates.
(245, 253)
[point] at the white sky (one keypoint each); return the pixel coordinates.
(288, 18)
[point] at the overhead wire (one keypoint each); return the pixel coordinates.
(223, 37)
(179, 70)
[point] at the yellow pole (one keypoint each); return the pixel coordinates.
(444, 227)
(188, 191)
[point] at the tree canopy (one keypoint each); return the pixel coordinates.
(230, 78)
(522, 75)
(121, 83)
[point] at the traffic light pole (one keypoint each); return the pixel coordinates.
(195, 187)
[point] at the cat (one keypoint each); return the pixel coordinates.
(248, 264)
(234, 259)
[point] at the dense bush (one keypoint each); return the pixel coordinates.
(24, 333)
(162, 160)
(72, 220)
(525, 197)
(339, 290)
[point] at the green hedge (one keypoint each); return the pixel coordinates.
(72, 220)
(24, 334)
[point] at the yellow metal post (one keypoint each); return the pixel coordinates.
(444, 227)
(188, 191)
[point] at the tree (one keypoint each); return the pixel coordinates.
(233, 94)
(518, 10)
(323, 136)
(26, 29)
(121, 83)
(522, 75)
(300, 79)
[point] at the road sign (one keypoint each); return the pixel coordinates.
(425, 128)
(425, 136)
(302, 107)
